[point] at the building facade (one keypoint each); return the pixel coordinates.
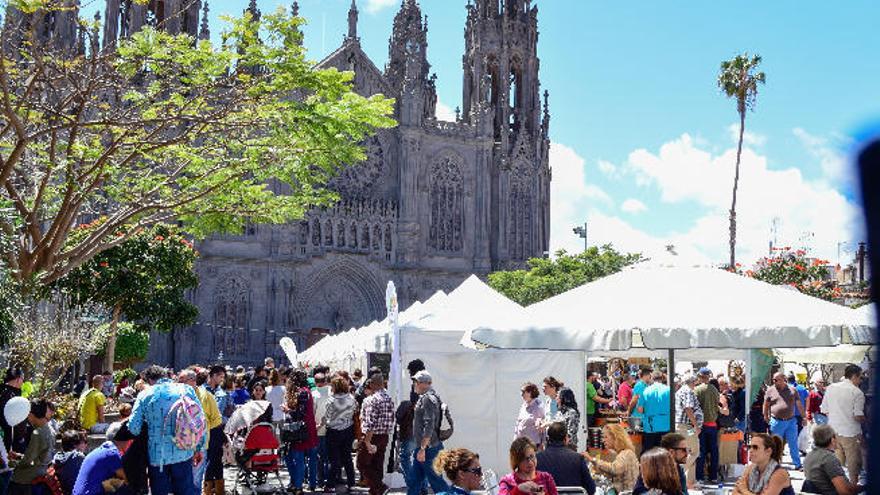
(434, 201)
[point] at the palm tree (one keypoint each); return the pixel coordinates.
(738, 79)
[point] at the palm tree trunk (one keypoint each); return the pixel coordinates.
(110, 354)
(742, 128)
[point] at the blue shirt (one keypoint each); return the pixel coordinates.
(639, 390)
(151, 407)
(101, 464)
(656, 399)
(222, 399)
(240, 396)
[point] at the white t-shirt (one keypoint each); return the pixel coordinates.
(275, 395)
(844, 401)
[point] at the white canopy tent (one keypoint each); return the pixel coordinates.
(677, 308)
(482, 388)
(348, 350)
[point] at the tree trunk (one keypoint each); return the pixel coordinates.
(110, 353)
(739, 147)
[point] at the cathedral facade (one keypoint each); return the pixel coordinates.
(434, 201)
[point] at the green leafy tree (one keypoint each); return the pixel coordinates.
(793, 268)
(159, 127)
(143, 280)
(132, 343)
(548, 277)
(739, 79)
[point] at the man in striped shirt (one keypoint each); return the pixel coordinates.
(377, 421)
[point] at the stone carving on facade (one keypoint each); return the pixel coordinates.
(445, 231)
(231, 319)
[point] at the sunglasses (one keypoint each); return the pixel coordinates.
(532, 457)
(477, 470)
(755, 447)
(682, 449)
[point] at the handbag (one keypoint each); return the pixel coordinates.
(294, 432)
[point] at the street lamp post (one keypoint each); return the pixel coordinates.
(581, 231)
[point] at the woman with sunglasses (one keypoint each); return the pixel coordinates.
(525, 478)
(764, 475)
(462, 468)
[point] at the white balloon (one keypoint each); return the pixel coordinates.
(16, 410)
(289, 349)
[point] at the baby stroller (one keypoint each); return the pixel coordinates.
(256, 448)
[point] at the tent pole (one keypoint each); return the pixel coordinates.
(670, 380)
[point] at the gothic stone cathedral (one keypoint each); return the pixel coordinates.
(434, 202)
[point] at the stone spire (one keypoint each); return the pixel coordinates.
(353, 22)
(294, 9)
(204, 30)
(254, 11)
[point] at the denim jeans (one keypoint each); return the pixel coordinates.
(199, 472)
(323, 462)
(296, 466)
(425, 470)
(4, 482)
(708, 447)
(787, 429)
(172, 478)
(407, 449)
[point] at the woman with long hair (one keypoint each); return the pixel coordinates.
(258, 390)
(462, 469)
(660, 472)
(764, 475)
(624, 468)
(339, 420)
(569, 414)
(525, 477)
(300, 416)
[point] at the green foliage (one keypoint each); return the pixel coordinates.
(128, 373)
(161, 127)
(791, 267)
(739, 79)
(132, 343)
(548, 277)
(146, 276)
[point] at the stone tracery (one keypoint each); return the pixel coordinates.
(445, 231)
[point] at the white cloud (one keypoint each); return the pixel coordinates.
(570, 196)
(445, 112)
(608, 168)
(749, 138)
(684, 173)
(832, 160)
(374, 6)
(633, 206)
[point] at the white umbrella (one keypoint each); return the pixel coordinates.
(676, 307)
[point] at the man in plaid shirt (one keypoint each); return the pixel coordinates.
(377, 421)
(689, 422)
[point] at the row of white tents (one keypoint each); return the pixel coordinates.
(480, 346)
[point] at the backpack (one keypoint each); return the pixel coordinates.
(188, 422)
(444, 434)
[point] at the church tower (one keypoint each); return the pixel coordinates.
(58, 28)
(502, 98)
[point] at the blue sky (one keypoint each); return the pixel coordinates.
(643, 144)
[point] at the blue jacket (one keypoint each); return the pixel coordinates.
(151, 407)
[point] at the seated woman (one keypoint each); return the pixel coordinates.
(525, 478)
(764, 475)
(660, 472)
(624, 468)
(462, 468)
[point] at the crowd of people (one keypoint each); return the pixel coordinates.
(171, 434)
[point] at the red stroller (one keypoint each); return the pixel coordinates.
(256, 450)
